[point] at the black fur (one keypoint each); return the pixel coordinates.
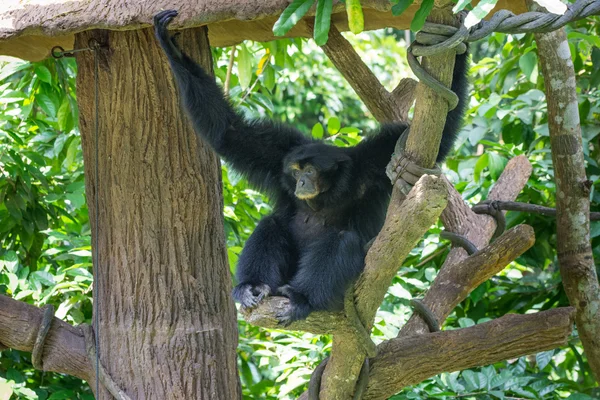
(307, 251)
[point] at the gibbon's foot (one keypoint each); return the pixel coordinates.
(297, 309)
(285, 291)
(250, 296)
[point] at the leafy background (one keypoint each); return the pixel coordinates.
(45, 234)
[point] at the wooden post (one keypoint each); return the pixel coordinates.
(167, 320)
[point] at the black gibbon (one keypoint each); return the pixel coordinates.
(328, 202)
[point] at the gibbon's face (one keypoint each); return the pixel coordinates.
(308, 185)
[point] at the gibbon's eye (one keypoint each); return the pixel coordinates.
(296, 173)
(310, 171)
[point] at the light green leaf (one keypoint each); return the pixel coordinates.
(244, 67)
(356, 18)
(291, 15)
(322, 21)
(317, 131)
(333, 125)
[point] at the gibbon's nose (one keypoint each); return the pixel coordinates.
(301, 182)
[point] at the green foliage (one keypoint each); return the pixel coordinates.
(45, 234)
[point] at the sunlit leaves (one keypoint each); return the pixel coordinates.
(291, 15)
(356, 19)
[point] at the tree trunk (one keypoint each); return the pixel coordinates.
(167, 323)
(574, 249)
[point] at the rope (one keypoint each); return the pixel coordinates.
(426, 314)
(505, 21)
(460, 241)
(314, 385)
(101, 374)
(492, 209)
(38, 345)
(403, 171)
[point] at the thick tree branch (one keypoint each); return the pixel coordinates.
(572, 190)
(409, 360)
(385, 106)
(453, 285)
(459, 218)
(425, 134)
(64, 347)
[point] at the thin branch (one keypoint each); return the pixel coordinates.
(229, 70)
(385, 106)
(64, 347)
(528, 208)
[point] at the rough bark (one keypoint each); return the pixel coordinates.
(385, 106)
(167, 321)
(426, 132)
(64, 347)
(26, 25)
(459, 218)
(409, 360)
(572, 191)
(453, 285)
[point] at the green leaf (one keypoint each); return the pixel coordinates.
(64, 394)
(268, 77)
(480, 165)
(244, 67)
(401, 6)
(333, 125)
(291, 15)
(527, 63)
(496, 164)
(542, 359)
(594, 229)
(46, 104)
(317, 131)
(421, 15)
(43, 73)
(322, 21)
(64, 112)
(43, 277)
(356, 18)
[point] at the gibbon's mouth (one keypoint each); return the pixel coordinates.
(306, 195)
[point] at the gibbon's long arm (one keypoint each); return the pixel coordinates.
(254, 148)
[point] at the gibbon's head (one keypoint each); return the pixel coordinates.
(314, 169)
